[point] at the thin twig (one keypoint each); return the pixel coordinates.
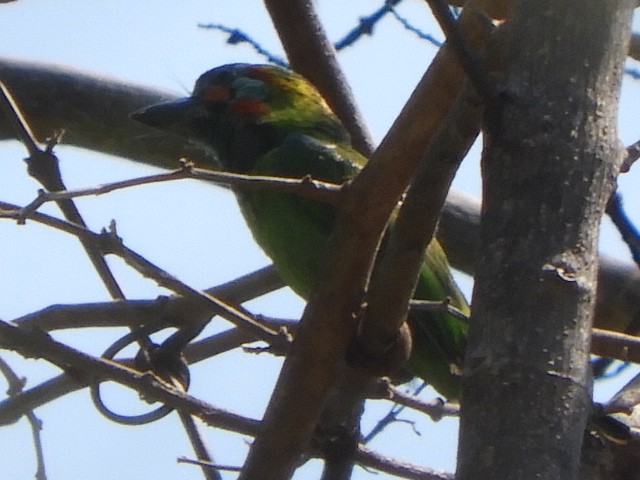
(16, 384)
(391, 416)
(87, 369)
(369, 458)
(439, 306)
(615, 345)
(43, 166)
(305, 186)
(109, 242)
(13, 114)
(422, 35)
(163, 312)
(226, 468)
(436, 409)
(199, 446)
(14, 407)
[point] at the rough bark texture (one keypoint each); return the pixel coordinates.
(549, 165)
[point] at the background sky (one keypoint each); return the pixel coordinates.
(191, 229)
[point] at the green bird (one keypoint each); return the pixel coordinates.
(267, 120)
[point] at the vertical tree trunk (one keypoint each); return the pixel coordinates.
(550, 162)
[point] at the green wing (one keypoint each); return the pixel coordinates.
(293, 231)
(439, 339)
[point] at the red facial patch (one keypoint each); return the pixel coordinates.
(217, 93)
(249, 107)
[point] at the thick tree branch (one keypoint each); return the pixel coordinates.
(394, 279)
(311, 367)
(551, 158)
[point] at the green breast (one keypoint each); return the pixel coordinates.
(293, 230)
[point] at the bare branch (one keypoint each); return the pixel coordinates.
(310, 369)
(369, 458)
(395, 276)
(89, 369)
(16, 385)
(472, 62)
(199, 446)
(237, 36)
(110, 243)
(43, 166)
(436, 409)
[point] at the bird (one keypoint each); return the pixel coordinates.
(270, 121)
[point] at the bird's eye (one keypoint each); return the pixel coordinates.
(217, 93)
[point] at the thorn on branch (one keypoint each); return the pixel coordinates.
(439, 306)
(225, 468)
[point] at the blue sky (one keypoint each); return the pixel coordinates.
(191, 229)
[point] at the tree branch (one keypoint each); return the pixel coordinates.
(110, 243)
(394, 279)
(311, 367)
(550, 161)
(43, 165)
(36, 344)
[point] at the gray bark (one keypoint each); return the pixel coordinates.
(550, 162)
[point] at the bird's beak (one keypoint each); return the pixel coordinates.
(168, 116)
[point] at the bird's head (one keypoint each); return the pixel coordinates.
(243, 110)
